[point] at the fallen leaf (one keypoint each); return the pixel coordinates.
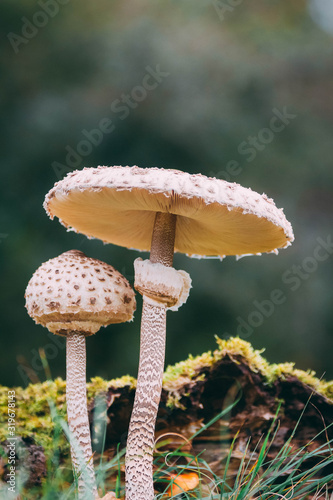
(183, 482)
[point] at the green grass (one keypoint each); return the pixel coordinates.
(258, 477)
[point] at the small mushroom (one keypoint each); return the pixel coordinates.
(163, 211)
(74, 296)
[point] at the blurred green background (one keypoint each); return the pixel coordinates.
(224, 70)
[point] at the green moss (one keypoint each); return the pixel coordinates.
(186, 372)
(98, 385)
(271, 372)
(327, 388)
(183, 373)
(33, 415)
(176, 375)
(283, 370)
(32, 404)
(180, 373)
(33, 412)
(238, 347)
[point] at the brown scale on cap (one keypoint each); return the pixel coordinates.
(73, 292)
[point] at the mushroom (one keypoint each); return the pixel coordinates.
(73, 295)
(163, 211)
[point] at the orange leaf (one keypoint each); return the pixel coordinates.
(183, 482)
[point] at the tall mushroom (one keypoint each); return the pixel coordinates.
(74, 295)
(163, 211)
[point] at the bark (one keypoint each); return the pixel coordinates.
(28, 457)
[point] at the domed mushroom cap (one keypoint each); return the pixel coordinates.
(214, 217)
(73, 292)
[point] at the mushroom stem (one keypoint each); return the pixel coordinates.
(163, 239)
(141, 434)
(77, 414)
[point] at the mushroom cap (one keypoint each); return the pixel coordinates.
(215, 217)
(73, 292)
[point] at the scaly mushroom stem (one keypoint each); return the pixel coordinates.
(77, 414)
(141, 434)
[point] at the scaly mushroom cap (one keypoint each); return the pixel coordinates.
(73, 292)
(215, 217)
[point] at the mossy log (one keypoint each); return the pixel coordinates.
(194, 392)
